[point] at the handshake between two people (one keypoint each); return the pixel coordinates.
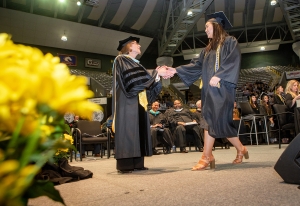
(165, 72)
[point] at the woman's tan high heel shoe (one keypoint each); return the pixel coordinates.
(204, 162)
(240, 155)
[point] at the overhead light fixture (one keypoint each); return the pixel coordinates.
(62, 0)
(78, 3)
(190, 13)
(64, 37)
(273, 2)
(262, 48)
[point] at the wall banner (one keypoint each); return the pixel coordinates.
(70, 60)
(93, 63)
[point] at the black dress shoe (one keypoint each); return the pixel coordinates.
(124, 171)
(142, 168)
(155, 152)
(183, 151)
(168, 151)
(201, 149)
(227, 146)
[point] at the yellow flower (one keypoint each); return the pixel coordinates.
(69, 138)
(8, 166)
(36, 91)
(29, 79)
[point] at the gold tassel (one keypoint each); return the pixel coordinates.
(143, 99)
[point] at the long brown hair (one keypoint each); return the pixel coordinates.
(253, 104)
(219, 35)
(266, 105)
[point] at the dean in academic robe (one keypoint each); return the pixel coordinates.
(132, 127)
(217, 103)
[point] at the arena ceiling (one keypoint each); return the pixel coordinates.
(166, 27)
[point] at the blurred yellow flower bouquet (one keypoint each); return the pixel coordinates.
(36, 91)
(63, 152)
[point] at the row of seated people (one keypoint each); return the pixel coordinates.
(175, 125)
(288, 98)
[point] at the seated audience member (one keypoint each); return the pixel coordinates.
(159, 125)
(178, 118)
(236, 121)
(203, 125)
(162, 106)
(255, 107)
(279, 95)
(236, 113)
(107, 124)
(96, 150)
(169, 103)
(253, 103)
(292, 95)
(191, 103)
(73, 124)
(199, 119)
(266, 109)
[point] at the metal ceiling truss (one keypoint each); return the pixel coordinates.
(280, 29)
(179, 24)
(291, 12)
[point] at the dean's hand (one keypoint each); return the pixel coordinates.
(170, 72)
(165, 72)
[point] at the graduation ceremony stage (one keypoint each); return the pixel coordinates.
(170, 181)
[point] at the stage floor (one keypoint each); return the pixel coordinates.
(170, 181)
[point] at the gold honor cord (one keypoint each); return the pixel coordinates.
(143, 99)
(217, 62)
(281, 98)
(216, 66)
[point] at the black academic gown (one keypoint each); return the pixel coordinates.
(295, 117)
(132, 127)
(161, 119)
(217, 103)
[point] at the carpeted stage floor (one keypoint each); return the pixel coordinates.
(170, 181)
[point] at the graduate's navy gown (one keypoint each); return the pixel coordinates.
(217, 103)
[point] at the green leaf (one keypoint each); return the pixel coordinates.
(42, 188)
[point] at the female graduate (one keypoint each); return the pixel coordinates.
(219, 66)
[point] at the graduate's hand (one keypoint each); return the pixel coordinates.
(172, 70)
(214, 81)
(164, 72)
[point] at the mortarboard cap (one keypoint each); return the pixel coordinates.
(220, 18)
(123, 42)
